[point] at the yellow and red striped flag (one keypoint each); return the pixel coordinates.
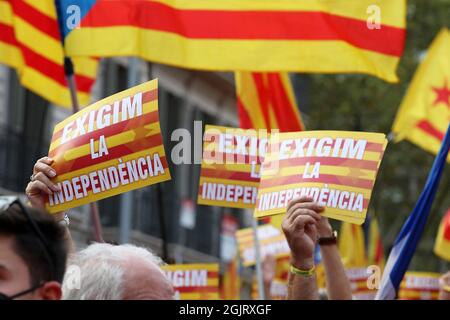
(194, 281)
(424, 114)
(339, 36)
(375, 250)
(267, 101)
(30, 43)
(442, 244)
(352, 245)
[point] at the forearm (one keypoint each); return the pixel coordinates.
(338, 285)
(302, 287)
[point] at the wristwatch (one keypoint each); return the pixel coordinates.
(325, 241)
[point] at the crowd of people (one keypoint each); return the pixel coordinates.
(39, 260)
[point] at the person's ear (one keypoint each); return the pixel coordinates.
(51, 291)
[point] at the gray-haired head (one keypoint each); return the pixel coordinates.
(108, 272)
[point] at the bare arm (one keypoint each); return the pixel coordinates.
(338, 284)
(300, 228)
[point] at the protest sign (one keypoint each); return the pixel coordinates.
(110, 147)
(336, 168)
(231, 161)
(358, 278)
(419, 286)
(271, 241)
(194, 281)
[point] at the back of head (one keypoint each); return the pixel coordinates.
(45, 261)
(109, 272)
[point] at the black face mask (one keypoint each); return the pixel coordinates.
(22, 293)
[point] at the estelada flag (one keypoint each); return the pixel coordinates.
(30, 43)
(424, 114)
(364, 36)
(442, 244)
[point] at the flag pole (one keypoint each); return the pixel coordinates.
(259, 274)
(69, 74)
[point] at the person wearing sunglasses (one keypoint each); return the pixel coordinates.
(33, 252)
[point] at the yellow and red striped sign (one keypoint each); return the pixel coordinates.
(419, 286)
(358, 282)
(194, 281)
(112, 146)
(324, 36)
(336, 168)
(231, 161)
(30, 42)
(271, 241)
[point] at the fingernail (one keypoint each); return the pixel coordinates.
(52, 173)
(55, 187)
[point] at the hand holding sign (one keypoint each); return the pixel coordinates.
(300, 228)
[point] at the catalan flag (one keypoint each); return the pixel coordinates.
(424, 114)
(246, 35)
(267, 101)
(374, 245)
(442, 244)
(352, 246)
(30, 43)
